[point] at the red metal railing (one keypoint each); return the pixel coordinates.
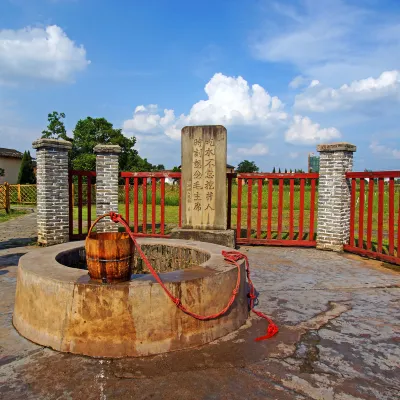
(80, 198)
(375, 215)
(268, 199)
(277, 209)
(139, 181)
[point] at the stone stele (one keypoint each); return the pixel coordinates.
(204, 212)
(204, 177)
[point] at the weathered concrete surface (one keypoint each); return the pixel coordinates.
(225, 238)
(18, 232)
(59, 307)
(339, 339)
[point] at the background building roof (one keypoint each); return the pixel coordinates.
(10, 153)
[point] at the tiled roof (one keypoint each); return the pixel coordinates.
(10, 153)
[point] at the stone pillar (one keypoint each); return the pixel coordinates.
(106, 184)
(52, 190)
(204, 208)
(334, 195)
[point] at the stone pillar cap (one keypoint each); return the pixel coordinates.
(340, 146)
(58, 144)
(203, 126)
(107, 148)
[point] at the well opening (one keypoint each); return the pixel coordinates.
(163, 258)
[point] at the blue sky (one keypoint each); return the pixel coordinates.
(282, 76)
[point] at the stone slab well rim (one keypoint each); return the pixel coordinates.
(47, 259)
(55, 295)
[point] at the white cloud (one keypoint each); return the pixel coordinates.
(331, 39)
(146, 119)
(39, 53)
(304, 132)
(318, 98)
(297, 81)
(258, 149)
(253, 117)
(231, 102)
(384, 150)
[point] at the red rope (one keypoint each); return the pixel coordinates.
(231, 257)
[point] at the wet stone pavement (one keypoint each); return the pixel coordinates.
(339, 319)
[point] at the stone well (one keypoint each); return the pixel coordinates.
(58, 306)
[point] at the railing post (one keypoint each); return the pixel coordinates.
(8, 200)
(334, 195)
(106, 184)
(52, 190)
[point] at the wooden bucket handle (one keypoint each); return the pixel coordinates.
(96, 221)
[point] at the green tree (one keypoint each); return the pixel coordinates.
(92, 131)
(26, 171)
(142, 165)
(176, 169)
(55, 128)
(247, 167)
(286, 181)
(275, 181)
(2, 172)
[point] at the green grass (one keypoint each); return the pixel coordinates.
(12, 214)
(171, 216)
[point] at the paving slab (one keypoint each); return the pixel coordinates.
(339, 319)
(19, 231)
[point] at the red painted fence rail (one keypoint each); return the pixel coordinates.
(153, 181)
(299, 232)
(375, 215)
(78, 182)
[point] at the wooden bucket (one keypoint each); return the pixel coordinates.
(109, 255)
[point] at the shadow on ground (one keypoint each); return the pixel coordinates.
(10, 260)
(19, 242)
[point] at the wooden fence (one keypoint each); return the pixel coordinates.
(375, 215)
(262, 217)
(23, 194)
(5, 197)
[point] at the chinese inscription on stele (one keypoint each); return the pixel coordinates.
(205, 177)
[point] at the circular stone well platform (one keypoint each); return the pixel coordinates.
(58, 305)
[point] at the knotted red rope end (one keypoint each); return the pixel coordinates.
(271, 331)
(114, 217)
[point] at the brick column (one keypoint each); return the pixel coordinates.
(52, 190)
(334, 193)
(106, 184)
